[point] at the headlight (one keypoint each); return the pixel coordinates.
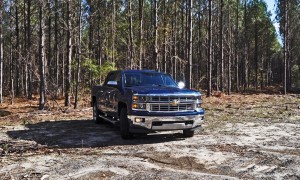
(135, 98)
(138, 98)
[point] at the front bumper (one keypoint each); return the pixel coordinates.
(164, 123)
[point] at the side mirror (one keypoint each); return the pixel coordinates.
(181, 85)
(112, 83)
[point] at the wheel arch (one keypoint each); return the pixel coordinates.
(93, 101)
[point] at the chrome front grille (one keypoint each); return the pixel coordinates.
(171, 103)
(169, 107)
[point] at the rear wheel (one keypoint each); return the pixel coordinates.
(124, 125)
(96, 112)
(188, 133)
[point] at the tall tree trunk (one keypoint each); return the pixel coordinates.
(100, 44)
(42, 54)
(17, 49)
(209, 62)
(78, 57)
(285, 47)
(221, 45)
(199, 46)
(155, 35)
(30, 71)
(91, 29)
(113, 30)
(269, 71)
(11, 55)
(175, 56)
(141, 14)
(182, 43)
(186, 47)
(165, 37)
(69, 54)
(256, 53)
(229, 72)
(25, 84)
(49, 65)
(261, 68)
(229, 53)
(56, 50)
(289, 51)
(245, 47)
(1, 51)
(130, 35)
(236, 47)
(190, 45)
(63, 53)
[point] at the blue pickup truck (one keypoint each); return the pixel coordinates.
(146, 101)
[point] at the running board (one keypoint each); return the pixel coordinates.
(109, 120)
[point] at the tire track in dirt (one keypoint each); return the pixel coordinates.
(187, 163)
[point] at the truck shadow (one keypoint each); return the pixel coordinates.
(83, 133)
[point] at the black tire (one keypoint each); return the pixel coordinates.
(188, 133)
(96, 113)
(124, 125)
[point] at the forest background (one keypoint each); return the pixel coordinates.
(60, 48)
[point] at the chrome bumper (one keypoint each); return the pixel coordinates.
(160, 123)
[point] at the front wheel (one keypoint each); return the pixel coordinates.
(96, 112)
(188, 133)
(124, 125)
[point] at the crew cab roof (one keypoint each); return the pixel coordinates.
(137, 71)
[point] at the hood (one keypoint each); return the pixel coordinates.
(160, 90)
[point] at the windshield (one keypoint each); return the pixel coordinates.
(148, 79)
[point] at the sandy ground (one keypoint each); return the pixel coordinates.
(244, 137)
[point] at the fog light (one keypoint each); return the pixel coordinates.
(138, 106)
(138, 120)
(135, 106)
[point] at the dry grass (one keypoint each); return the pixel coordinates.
(219, 109)
(24, 111)
(239, 108)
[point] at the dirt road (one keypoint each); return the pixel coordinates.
(244, 137)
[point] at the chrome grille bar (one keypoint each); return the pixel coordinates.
(171, 98)
(159, 107)
(169, 103)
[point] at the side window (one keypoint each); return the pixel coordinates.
(118, 77)
(114, 76)
(110, 77)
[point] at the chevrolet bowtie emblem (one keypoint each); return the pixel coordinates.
(175, 102)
